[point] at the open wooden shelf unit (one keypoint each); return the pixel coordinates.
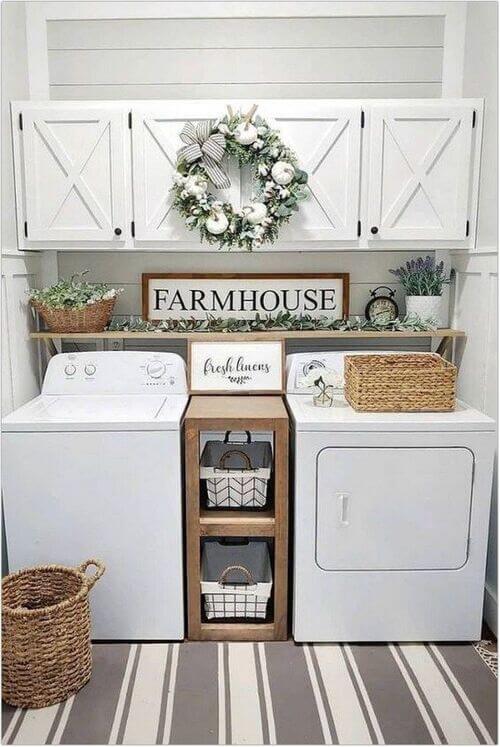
(237, 413)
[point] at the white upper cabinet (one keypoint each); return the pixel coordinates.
(73, 170)
(419, 175)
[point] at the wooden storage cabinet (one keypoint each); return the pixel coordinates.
(237, 413)
(98, 174)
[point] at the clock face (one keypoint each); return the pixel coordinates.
(382, 308)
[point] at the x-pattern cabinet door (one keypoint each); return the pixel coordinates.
(74, 169)
(419, 176)
(155, 144)
(326, 138)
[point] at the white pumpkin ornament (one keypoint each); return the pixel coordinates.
(196, 186)
(245, 133)
(255, 213)
(282, 172)
(217, 222)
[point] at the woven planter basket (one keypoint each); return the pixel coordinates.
(46, 650)
(399, 383)
(92, 318)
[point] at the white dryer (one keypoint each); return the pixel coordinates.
(391, 518)
(92, 468)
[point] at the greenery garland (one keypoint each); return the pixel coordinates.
(279, 186)
(284, 321)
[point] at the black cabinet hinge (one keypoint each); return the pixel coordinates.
(20, 120)
(473, 118)
(467, 226)
(359, 228)
(130, 120)
(132, 229)
(26, 228)
(362, 119)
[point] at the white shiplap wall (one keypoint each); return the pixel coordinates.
(181, 58)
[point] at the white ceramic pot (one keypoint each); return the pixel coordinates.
(426, 307)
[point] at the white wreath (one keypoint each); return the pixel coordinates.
(278, 181)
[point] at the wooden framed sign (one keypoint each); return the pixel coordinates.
(196, 296)
(236, 367)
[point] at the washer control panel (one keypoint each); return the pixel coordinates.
(115, 372)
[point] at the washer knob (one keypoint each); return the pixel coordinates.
(70, 369)
(374, 230)
(90, 369)
(155, 369)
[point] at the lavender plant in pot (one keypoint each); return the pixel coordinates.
(423, 281)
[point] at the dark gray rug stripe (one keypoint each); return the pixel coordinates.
(397, 713)
(262, 699)
(362, 704)
(91, 717)
(227, 692)
(7, 714)
(324, 697)
(479, 683)
(128, 697)
(56, 721)
(416, 684)
(17, 726)
(165, 695)
(295, 714)
(195, 711)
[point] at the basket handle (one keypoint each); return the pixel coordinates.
(250, 579)
(228, 433)
(97, 575)
(232, 452)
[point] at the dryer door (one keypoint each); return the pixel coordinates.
(393, 508)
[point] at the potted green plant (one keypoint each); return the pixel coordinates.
(423, 281)
(75, 305)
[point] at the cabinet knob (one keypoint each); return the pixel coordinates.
(374, 230)
(118, 231)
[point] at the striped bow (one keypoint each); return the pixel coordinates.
(207, 148)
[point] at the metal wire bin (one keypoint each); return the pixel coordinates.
(245, 468)
(236, 578)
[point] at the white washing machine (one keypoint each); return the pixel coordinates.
(391, 518)
(92, 468)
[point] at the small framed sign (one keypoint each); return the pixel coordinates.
(232, 367)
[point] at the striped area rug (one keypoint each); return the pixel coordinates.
(272, 693)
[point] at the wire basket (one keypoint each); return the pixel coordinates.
(94, 317)
(236, 474)
(400, 383)
(46, 650)
(236, 578)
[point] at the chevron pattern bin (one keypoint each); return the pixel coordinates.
(236, 474)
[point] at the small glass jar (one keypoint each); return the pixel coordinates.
(323, 396)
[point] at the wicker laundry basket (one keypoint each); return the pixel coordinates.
(236, 474)
(46, 650)
(236, 578)
(94, 317)
(400, 383)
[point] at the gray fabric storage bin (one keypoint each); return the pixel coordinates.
(237, 474)
(236, 579)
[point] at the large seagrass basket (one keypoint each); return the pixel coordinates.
(94, 317)
(399, 383)
(46, 649)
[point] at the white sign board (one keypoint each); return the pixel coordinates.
(222, 367)
(170, 296)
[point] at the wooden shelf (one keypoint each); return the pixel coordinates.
(215, 523)
(216, 413)
(217, 336)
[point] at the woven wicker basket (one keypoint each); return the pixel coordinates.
(399, 383)
(46, 651)
(92, 318)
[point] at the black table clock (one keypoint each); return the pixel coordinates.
(382, 307)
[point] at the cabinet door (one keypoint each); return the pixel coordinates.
(325, 136)
(419, 176)
(74, 173)
(393, 508)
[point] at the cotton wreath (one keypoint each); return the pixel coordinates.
(278, 182)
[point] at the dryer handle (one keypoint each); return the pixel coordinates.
(343, 506)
